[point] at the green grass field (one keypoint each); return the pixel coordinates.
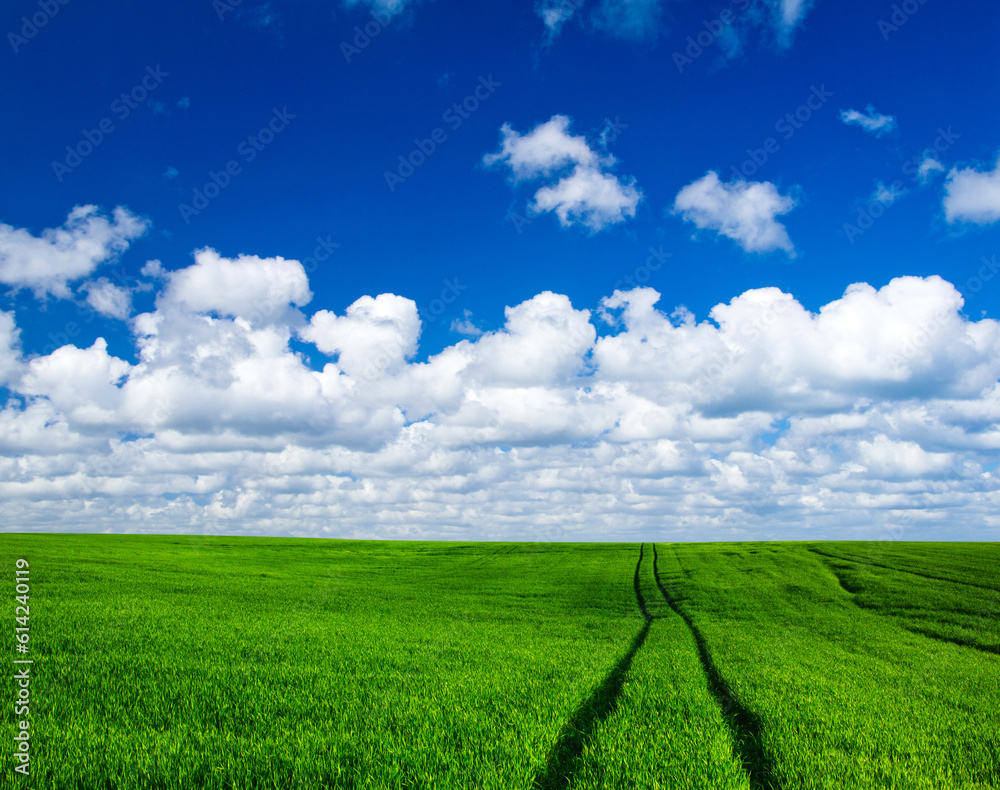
(184, 662)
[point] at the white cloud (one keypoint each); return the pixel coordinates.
(973, 195)
(257, 289)
(743, 211)
(871, 121)
(588, 197)
(464, 325)
(153, 269)
(887, 195)
(884, 401)
(788, 15)
(372, 339)
(544, 150)
(556, 13)
(108, 299)
(48, 263)
(582, 189)
(928, 166)
(82, 384)
(10, 349)
(891, 459)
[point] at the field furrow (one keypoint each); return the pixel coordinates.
(934, 607)
(848, 698)
(560, 767)
(899, 569)
(666, 729)
(744, 725)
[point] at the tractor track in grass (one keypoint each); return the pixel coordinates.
(744, 726)
(560, 766)
(638, 591)
(900, 570)
(989, 650)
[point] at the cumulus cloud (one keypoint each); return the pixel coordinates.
(48, 263)
(81, 384)
(153, 269)
(973, 195)
(871, 121)
(762, 419)
(108, 299)
(10, 349)
(904, 460)
(744, 211)
(373, 338)
(254, 288)
(582, 190)
(464, 325)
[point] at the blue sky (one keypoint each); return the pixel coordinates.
(814, 116)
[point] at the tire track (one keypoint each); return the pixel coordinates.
(988, 649)
(638, 591)
(560, 766)
(900, 570)
(744, 725)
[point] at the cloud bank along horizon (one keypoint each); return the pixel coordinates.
(249, 410)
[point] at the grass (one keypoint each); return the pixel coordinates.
(177, 662)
